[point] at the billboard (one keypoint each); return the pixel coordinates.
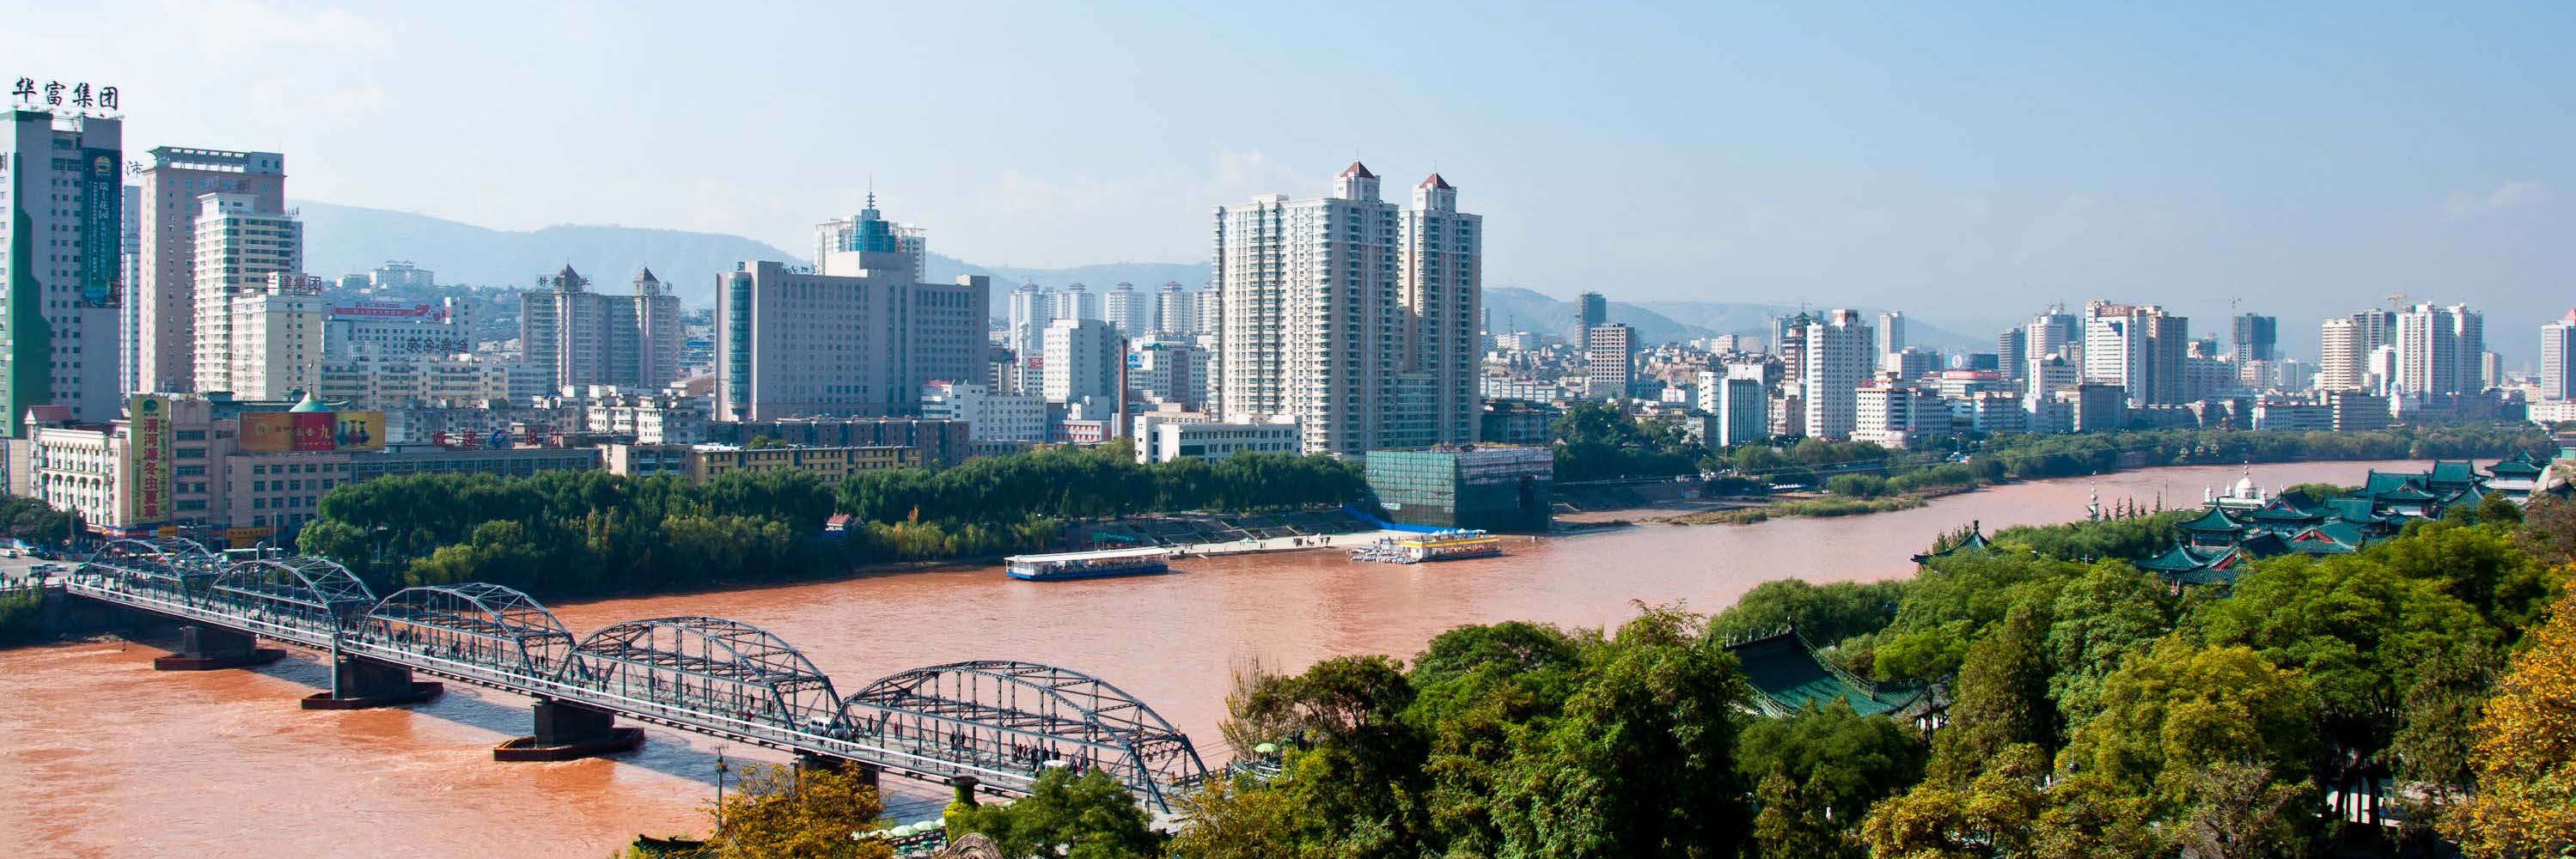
(281, 432)
(147, 459)
(102, 188)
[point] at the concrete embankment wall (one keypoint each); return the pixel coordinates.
(59, 615)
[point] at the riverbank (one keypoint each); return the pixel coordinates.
(230, 745)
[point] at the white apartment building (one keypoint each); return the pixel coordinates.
(2137, 347)
(1074, 302)
(1440, 259)
(61, 243)
(371, 380)
(1609, 360)
(1168, 372)
(1837, 352)
(647, 418)
(1127, 310)
(2438, 351)
(1208, 311)
(1083, 360)
(2558, 358)
(860, 341)
(163, 293)
(1032, 308)
(1351, 317)
(385, 328)
(244, 258)
(583, 338)
(1738, 403)
(1895, 415)
(1176, 311)
(989, 415)
(276, 335)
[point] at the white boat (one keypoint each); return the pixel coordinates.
(1068, 566)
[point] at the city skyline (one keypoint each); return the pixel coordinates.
(2084, 155)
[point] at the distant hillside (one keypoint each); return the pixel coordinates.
(1145, 276)
(1516, 309)
(346, 239)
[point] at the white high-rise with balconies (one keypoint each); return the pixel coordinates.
(1127, 310)
(1350, 316)
(1441, 283)
(244, 255)
(2558, 358)
(1176, 311)
(2438, 351)
(1838, 353)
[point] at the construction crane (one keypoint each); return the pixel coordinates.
(2396, 300)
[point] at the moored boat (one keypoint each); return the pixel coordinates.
(1068, 566)
(1442, 546)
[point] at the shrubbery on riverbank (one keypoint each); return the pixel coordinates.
(2093, 711)
(590, 533)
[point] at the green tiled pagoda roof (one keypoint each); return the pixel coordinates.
(2452, 473)
(2264, 545)
(2403, 493)
(2214, 520)
(2520, 466)
(2281, 511)
(2378, 483)
(1787, 677)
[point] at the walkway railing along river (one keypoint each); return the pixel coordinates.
(996, 722)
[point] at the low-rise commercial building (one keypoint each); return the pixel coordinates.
(1199, 440)
(1492, 488)
(705, 462)
(937, 442)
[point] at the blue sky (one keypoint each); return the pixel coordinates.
(1965, 162)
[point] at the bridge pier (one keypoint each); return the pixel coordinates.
(868, 773)
(565, 731)
(205, 648)
(358, 683)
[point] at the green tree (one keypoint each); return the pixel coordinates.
(2107, 613)
(2176, 708)
(2002, 698)
(1818, 772)
(779, 811)
(1993, 815)
(1825, 613)
(1642, 761)
(2525, 757)
(1087, 817)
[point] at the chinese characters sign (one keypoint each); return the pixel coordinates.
(56, 94)
(282, 432)
(147, 459)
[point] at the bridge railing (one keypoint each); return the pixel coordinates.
(948, 733)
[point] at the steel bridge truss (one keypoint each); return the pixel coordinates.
(485, 625)
(710, 665)
(1001, 722)
(307, 593)
(1019, 716)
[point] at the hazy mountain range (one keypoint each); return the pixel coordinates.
(349, 239)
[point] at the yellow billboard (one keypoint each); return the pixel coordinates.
(147, 459)
(280, 432)
(267, 432)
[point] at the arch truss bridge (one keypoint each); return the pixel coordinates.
(998, 723)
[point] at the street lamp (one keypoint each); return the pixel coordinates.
(720, 779)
